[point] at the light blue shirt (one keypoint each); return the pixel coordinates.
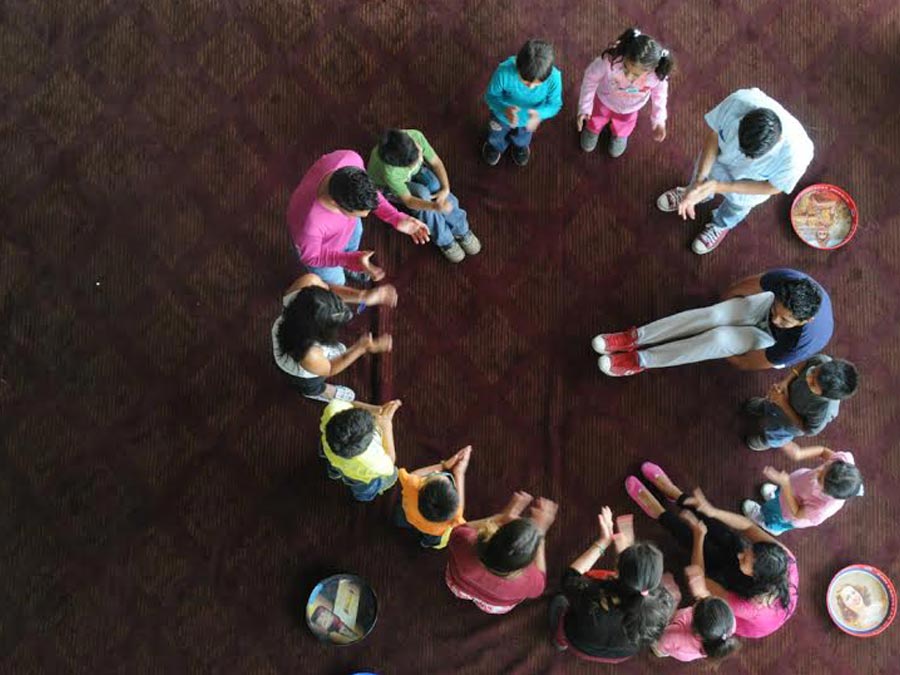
(783, 165)
(506, 89)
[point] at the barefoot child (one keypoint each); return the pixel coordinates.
(629, 73)
(358, 444)
(806, 497)
(705, 629)
(433, 499)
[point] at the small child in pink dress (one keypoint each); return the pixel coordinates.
(617, 84)
(806, 497)
(705, 629)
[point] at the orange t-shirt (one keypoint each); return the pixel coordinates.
(410, 485)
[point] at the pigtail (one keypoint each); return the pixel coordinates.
(665, 65)
(617, 49)
(719, 649)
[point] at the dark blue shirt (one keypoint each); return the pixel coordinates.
(793, 345)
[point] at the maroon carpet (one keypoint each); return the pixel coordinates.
(164, 508)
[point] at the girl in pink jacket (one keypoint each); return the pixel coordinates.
(617, 84)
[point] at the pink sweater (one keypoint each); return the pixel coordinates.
(608, 82)
(754, 619)
(320, 236)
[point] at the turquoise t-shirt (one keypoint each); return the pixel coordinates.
(506, 89)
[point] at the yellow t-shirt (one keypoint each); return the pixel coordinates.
(373, 463)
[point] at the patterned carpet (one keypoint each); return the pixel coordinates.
(165, 508)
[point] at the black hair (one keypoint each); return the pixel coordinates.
(801, 297)
(647, 606)
(770, 573)
(438, 500)
(350, 432)
(535, 61)
(838, 379)
(511, 548)
(352, 189)
(634, 46)
(758, 131)
(397, 148)
(313, 316)
(842, 480)
(714, 623)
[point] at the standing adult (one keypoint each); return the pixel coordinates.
(325, 219)
(753, 149)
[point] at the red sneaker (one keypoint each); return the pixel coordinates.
(709, 239)
(621, 365)
(610, 343)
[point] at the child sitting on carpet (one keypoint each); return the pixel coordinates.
(524, 90)
(802, 404)
(499, 561)
(806, 497)
(407, 169)
(617, 84)
(358, 443)
(433, 498)
(705, 629)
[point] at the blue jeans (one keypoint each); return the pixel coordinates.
(500, 135)
(734, 207)
(772, 516)
(443, 227)
(775, 427)
(335, 276)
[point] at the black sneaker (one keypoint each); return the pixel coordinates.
(521, 155)
(755, 407)
(490, 154)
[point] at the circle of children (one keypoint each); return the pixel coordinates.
(743, 581)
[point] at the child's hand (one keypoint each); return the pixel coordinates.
(695, 194)
(460, 461)
(625, 536)
(374, 270)
(776, 476)
(543, 513)
(365, 342)
(605, 518)
(580, 120)
(512, 115)
(442, 205)
(381, 344)
(383, 295)
(700, 502)
(698, 527)
(534, 119)
(659, 133)
(415, 228)
(389, 409)
(517, 504)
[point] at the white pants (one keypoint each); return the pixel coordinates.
(729, 328)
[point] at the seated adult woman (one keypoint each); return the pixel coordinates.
(746, 566)
(499, 561)
(304, 337)
(609, 616)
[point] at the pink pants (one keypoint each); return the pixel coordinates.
(620, 125)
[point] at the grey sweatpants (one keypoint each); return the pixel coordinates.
(729, 328)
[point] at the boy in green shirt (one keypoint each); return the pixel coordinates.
(407, 170)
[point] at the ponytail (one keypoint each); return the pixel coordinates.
(617, 50)
(665, 65)
(715, 624)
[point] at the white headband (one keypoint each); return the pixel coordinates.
(664, 53)
(636, 32)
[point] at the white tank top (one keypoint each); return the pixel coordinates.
(286, 362)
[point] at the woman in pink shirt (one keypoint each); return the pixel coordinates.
(617, 84)
(325, 219)
(746, 566)
(499, 561)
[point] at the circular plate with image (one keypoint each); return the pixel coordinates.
(861, 600)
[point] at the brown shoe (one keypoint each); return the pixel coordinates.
(453, 252)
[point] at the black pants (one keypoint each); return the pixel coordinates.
(720, 548)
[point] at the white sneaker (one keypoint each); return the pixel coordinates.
(753, 511)
(768, 490)
(669, 200)
(709, 239)
(341, 393)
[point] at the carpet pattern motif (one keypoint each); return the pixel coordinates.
(165, 508)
